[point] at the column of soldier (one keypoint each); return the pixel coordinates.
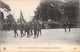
(28, 29)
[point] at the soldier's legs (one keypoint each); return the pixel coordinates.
(21, 31)
(35, 33)
(65, 29)
(40, 32)
(25, 32)
(28, 33)
(14, 33)
(69, 29)
(17, 34)
(31, 32)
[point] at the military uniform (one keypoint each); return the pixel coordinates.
(27, 29)
(35, 30)
(65, 25)
(31, 28)
(15, 29)
(39, 29)
(69, 26)
(21, 29)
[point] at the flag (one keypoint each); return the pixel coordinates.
(22, 20)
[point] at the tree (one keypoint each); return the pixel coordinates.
(10, 18)
(72, 11)
(58, 11)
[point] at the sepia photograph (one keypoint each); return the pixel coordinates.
(39, 25)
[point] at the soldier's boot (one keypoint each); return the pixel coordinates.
(21, 34)
(34, 36)
(40, 33)
(31, 32)
(17, 34)
(69, 30)
(65, 29)
(14, 34)
(24, 33)
(37, 35)
(27, 34)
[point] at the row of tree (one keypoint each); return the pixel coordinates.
(58, 11)
(9, 18)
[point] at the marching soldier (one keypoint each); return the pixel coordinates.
(35, 29)
(21, 29)
(65, 26)
(31, 28)
(27, 29)
(39, 28)
(69, 26)
(15, 29)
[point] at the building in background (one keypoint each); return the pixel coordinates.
(1, 20)
(6, 8)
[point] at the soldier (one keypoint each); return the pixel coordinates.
(9, 26)
(24, 29)
(21, 29)
(39, 28)
(27, 29)
(35, 29)
(15, 29)
(31, 28)
(66, 26)
(69, 26)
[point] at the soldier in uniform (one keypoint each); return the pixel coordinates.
(65, 26)
(15, 29)
(27, 29)
(39, 28)
(35, 29)
(31, 28)
(21, 29)
(9, 26)
(69, 26)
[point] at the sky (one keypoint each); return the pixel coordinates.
(27, 6)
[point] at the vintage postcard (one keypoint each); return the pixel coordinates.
(39, 25)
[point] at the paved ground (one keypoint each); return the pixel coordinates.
(49, 36)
